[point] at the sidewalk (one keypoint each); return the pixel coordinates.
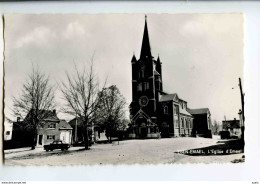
(20, 152)
(17, 150)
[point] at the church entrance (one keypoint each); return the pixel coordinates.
(143, 132)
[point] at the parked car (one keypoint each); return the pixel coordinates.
(56, 145)
(224, 134)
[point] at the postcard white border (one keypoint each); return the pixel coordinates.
(247, 171)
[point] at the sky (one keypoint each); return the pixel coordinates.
(201, 54)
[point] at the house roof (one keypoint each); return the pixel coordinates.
(47, 115)
(231, 124)
(199, 111)
(73, 122)
(169, 97)
(64, 125)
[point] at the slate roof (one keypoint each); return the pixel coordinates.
(198, 111)
(47, 115)
(169, 97)
(79, 122)
(146, 49)
(64, 125)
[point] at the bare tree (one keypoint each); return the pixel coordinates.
(80, 95)
(35, 102)
(111, 111)
(216, 127)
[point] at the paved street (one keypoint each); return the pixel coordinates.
(148, 151)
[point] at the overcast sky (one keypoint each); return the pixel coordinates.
(201, 54)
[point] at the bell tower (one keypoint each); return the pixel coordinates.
(146, 80)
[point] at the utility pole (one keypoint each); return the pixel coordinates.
(242, 100)
(76, 128)
(243, 112)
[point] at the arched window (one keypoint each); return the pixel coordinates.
(141, 73)
(139, 87)
(165, 109)
(146, 86)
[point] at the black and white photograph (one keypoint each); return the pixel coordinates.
(123, 89)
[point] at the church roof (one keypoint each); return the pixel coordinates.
(199, 111)
(146, 49)
(169, 97)
(156, 73)
(133, 58)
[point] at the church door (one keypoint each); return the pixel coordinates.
(143, 130)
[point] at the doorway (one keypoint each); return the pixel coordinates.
(143, 132)
(40, 139)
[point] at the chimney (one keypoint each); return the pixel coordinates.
(18, 119)
(54, 111)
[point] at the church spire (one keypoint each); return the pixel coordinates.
(146, 49)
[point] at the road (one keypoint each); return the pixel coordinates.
(147, 151)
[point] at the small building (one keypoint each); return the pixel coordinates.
(51, 128)
(54, 129)
(95, 133)
(233, 126)
(201, 122)
(8, 129)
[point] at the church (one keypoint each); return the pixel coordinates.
(153, 112)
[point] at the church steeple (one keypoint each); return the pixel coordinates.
(146, 49)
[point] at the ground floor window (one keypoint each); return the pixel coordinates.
(50, 137)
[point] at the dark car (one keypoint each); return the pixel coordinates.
(224, 134)
(56, 145)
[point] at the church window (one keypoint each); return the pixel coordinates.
(165, 110)
(176, 110)
(139, 87)
(141, 74)
(146, 86)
